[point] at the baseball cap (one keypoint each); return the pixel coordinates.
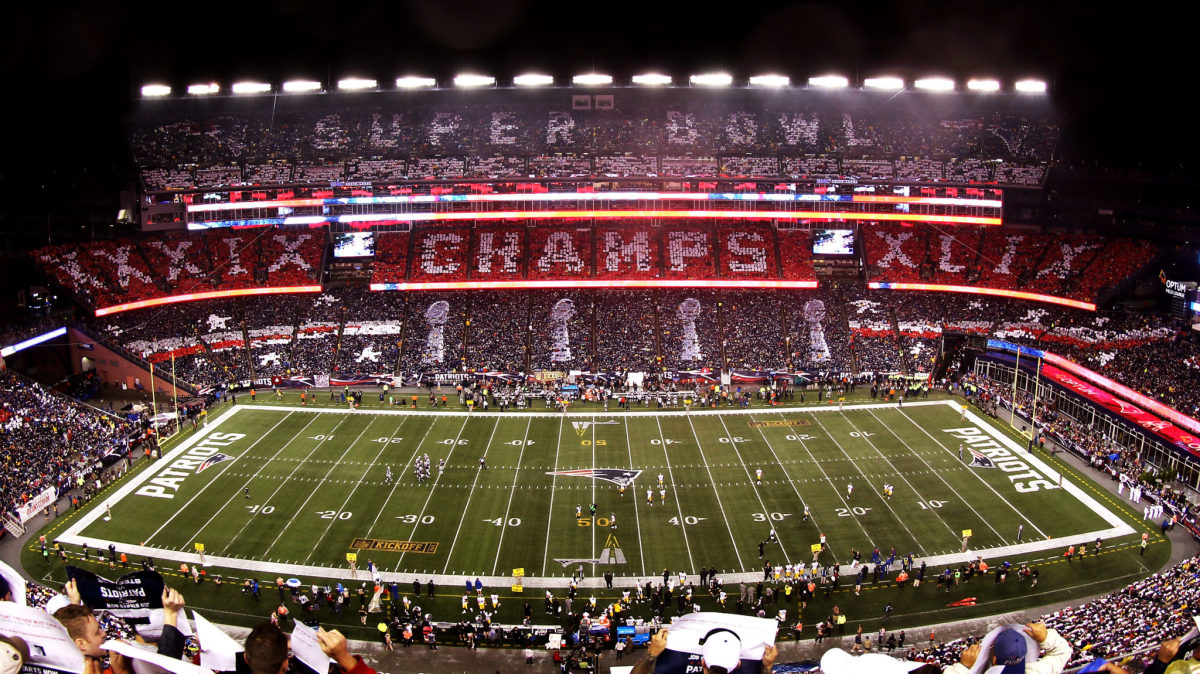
(838, 661)
(722, 649)
(1010, 649)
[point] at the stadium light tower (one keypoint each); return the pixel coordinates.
(770, 81)
(829, 82)
(1031, 86)
(712, 79)
(250, 87)
(468, 80)
(203, 89)
(356, 84)
(592, 80)
(886, 83)
(299, 86)
(934, 84)
(533, 80)
(155, 90)
(415, 82)
(983, 85)
(652, 79)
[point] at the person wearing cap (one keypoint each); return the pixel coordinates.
(721, 653)
(1010, 650)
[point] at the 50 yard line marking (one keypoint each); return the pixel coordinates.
(223, 470)
(383, 448)
(432, 489)
(511, 492)
(478, 472)
(332, 467)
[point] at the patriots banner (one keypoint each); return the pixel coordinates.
(361, 380)
(210, 461)
(131, 596)
(277, 382)
(978, 460)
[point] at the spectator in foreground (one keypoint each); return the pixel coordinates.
(266, 651)
(1009, 652)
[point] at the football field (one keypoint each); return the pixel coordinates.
(281, 488)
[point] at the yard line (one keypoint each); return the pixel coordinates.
(938, 474)
(512, 490)
(383, 448)
(636, 520)
(285, 481)
(864, 436)
(593, 527)
(785, 472)
(332, 467)
(977, 476)
(678, 505)
(553, 483)
(831, 485)
(766, 513)
(396, 481)
(432, 490)
(916, 541)
(462, 519)
(224, 469)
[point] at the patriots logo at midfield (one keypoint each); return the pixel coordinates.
(617, 476)
(582, 426)
(980, 461)
(212, 460)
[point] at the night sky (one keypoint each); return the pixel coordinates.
(74, 68)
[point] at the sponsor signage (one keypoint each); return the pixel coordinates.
(375, 544)
(779, 423)
(36, 504)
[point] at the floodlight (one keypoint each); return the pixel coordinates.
(293, 86)
(934, 84)
(152, 90)
(712, 79)
(1031, 86)
(415, 82)
(533, 80)
(474, 80)
(983, 85)
(770, 81)
(592, 79)
(203, 89)
(829, 82)
(250, 87)
(652, 79)
(356, 84)
(884, 83)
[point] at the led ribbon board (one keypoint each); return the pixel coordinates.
(994, 292)
(32, 341)
(212, 294)
(585, 283)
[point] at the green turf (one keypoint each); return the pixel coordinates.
(316, 482)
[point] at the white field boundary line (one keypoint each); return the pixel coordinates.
(71, 537)
(589, 415)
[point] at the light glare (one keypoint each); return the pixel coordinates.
(250, 87)
(770, 81)
(1031, 86)
(356, 84)
(712, 79)
(533, 80)
(293, 86)
(934, 84)
(467, 80)
(884, 83)
(203, 89)
(592, 79)
(152, 90)
(652, 79)
(415, 82)
(829, 82)
(983, 85)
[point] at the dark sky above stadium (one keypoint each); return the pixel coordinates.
(75, 67)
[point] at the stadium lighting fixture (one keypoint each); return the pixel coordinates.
(829, 82)
(154, 90)
(203, 89)
(467, 80)
(1031, 86)
(533, 80)
(934, 84)
(415, 82)
(770, 81)
(296, 86)
(884, 83)
(592, 79)
(356, 84)
(983, 85)
(652, 79)
(712, 79)
(250, 87)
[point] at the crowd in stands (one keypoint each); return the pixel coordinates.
(183, 148)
